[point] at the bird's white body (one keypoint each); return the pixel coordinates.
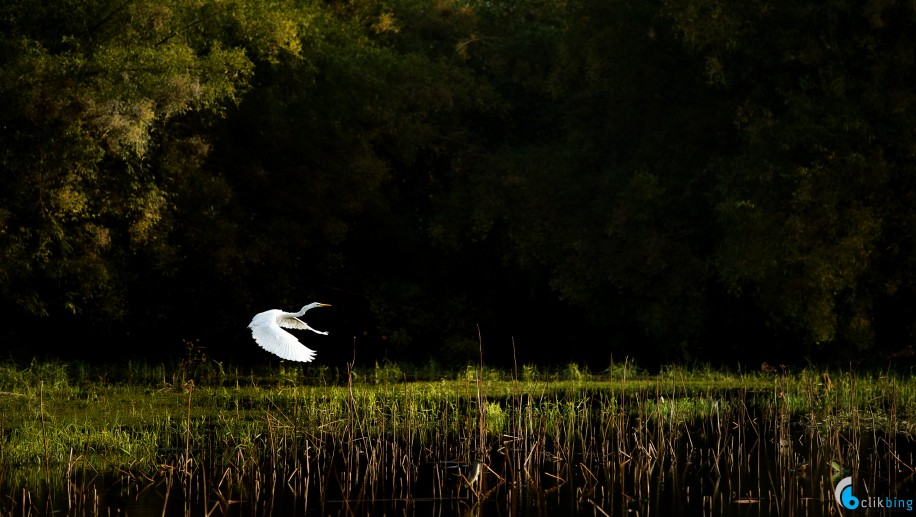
(268, 334)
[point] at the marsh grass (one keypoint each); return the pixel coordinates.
(80, 438)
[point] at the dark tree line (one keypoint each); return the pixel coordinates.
(690, 180)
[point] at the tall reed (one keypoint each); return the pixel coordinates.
(530, 440)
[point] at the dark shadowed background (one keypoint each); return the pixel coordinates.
(667, 180)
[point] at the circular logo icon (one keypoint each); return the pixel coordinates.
(844, 495)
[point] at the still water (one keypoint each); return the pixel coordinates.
(748, 463)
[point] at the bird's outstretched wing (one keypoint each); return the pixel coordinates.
(296, 323)
(270, 337)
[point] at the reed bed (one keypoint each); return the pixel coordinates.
(217, 441)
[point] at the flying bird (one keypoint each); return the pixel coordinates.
(268, 334)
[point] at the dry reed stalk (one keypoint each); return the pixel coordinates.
(189, 387)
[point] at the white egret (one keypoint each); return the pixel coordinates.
(266, 331)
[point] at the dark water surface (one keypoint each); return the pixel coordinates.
(748, 463)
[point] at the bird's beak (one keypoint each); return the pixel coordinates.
(324, 305)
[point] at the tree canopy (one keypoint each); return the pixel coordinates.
(691, 180)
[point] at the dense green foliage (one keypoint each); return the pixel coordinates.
(696, 179)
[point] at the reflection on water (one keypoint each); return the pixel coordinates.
(745, 462)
